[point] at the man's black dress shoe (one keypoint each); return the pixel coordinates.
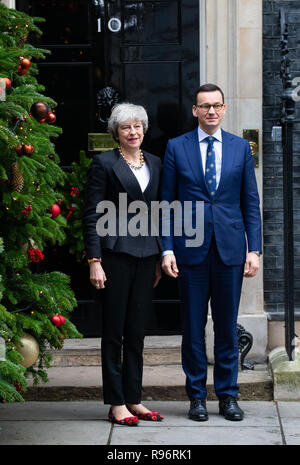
(228, 407)
(198, 410)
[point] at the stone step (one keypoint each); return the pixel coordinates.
(158, 350)
(160, 382)
(76, 373)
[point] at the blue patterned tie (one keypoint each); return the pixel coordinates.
(210, 167)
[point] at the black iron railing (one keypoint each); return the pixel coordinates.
(287, 123)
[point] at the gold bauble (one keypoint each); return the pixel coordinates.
(29, 350)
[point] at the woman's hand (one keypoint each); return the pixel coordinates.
(97, 275)
(157, 274)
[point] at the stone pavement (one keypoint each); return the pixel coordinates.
(85, 423)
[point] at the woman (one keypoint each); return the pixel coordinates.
(124, 267)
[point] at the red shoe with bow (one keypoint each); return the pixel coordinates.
(128, 421)
(149, 416)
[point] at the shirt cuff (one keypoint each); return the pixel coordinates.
(167, 252)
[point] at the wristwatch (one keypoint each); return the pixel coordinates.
(256, 252)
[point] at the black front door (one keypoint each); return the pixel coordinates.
(144, 52)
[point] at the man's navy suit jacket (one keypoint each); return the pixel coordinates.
(232, 212)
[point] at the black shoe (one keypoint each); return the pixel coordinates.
(198, 410)
(228, 407)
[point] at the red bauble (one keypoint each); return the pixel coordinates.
(25, 63)
(28, 149)
(51, 118)
(19, 149)
(56, 320)
(21, 71)
(62, 320)
(55, 210)
(7, 82)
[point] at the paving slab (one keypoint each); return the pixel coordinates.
(209, 435)
(260, 427)
(54, 433)
(289, 413)
(52, 411)
(257, 414)
(85, 423)
(54, 423)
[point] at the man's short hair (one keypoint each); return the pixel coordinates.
(208, 88)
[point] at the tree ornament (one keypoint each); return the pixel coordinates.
(27, 210)
(21, 41)
(62, 320)
(39, 111)
(21, 71)
(35, 254)
(7, 82)
(19, 149)
(58, 320)
(17, 180)
(29, 350)
(51, 118)
(28, 149)
(55, 320)
(72, 209)
(25, 62)
(74, 191)
(55, 210)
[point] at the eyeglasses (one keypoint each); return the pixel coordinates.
(206, 107)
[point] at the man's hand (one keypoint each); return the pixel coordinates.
(251, 265)
(169, 265)
(97, 275)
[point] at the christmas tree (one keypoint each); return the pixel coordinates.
(72, 207)
(34, 305)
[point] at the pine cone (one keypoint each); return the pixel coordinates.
(22, 40)
(17, 180)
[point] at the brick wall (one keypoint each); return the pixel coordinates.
(272, 156)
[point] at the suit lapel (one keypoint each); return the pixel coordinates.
(153, 175)
(227, 160)
(127, 179)
(193, 156)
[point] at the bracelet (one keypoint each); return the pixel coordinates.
(93, 260)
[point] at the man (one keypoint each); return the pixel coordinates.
(215, 167)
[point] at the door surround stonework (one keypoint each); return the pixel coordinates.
(231, 57)
(9, 3)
